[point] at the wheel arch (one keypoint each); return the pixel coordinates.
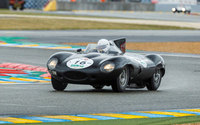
(61, 55)
(131, 71)
(158, 61)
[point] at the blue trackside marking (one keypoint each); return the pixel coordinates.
(38, 78)
(4, 122)
(15, 75)
(43, 119)
(97, 117)
(4, 80)
(182, 111)
(16, 44)
(34, 78)
(147, 114)
(9, 80)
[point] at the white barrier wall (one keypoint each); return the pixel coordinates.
(186, 2)
(168, 7)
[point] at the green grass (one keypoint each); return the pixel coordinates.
(67, 24)
(5, 11)
(150, 121)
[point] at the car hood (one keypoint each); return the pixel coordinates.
(95, 57)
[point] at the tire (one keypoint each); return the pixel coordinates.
(122, 81)
(98, 87)
(14, 8)
(155, 81)
(57, 85)
(22, 7)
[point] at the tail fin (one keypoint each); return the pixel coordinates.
(121, 44)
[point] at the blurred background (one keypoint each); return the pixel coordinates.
(126, 5)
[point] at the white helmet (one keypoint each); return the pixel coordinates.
(103, 46)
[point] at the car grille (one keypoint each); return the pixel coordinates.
(77, 76)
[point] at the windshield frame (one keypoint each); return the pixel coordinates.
(93, 48)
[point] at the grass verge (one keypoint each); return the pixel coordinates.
(6, 11)
(150, 121)
(67, 24)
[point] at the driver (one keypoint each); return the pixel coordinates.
(103, 46)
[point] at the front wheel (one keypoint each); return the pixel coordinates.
(155, 81)
(122, 81)
(22, 6)
(57, 85)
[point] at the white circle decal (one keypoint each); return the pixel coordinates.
(80, 63)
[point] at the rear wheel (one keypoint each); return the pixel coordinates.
(155, 81)
(57, 85)
(122, 81)
(22, 8)
(14, 8)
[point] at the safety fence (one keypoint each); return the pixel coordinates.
(35, 4)
(106, 0)
(39, 4)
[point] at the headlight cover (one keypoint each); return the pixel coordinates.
(183, 9)
(173, 9)
(107, 67)
(52, 63)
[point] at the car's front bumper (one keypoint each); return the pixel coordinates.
(92, 76)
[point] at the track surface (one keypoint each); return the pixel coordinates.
(130, 14)
(95, 35)
(143, 15)
(179, 89)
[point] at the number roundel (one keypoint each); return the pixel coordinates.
(80, 63)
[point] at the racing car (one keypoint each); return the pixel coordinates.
(17, 4)
(184, 9)
(106, 64)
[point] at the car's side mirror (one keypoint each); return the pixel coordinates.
(79, 50)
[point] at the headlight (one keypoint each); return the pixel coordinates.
(108, 67)
(173, 9)
(52, 63)
(183, 9)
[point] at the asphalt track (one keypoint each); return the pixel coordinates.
(142, 15)
(179, 90)
(167, 16)
(94, 35)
